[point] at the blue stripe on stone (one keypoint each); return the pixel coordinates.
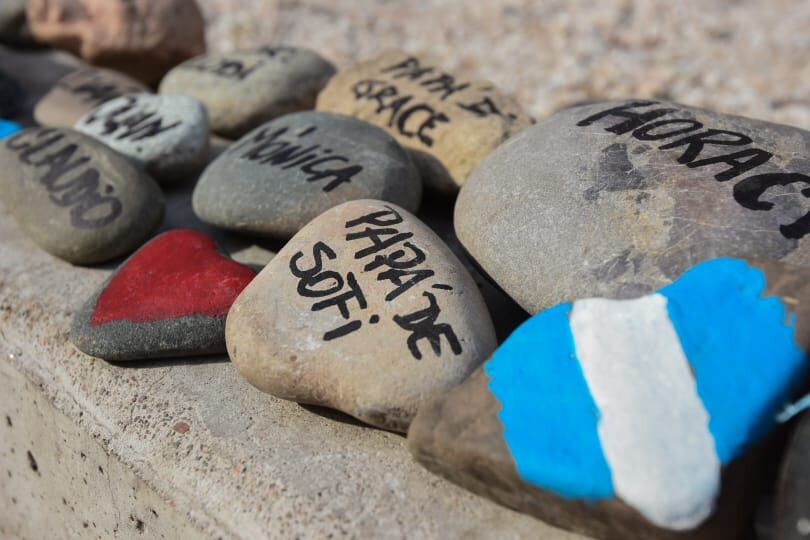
(8, 127)
(547, 411)
(741, 348)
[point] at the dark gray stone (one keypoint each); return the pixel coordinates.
(282, 175)
(75, 197)
(616, 199)
(793, 492)
(243, 90)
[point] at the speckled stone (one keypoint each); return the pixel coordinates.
(447, 123)
(616, 199)
(169, 299)
(568, 422)
(75, 197)
(165, 135)
(793, 490)
(79, 92)
(243, 90)
(284, 174)
(365, 310)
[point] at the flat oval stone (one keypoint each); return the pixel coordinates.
(75, 197)
(616, 199)
(165, 135)
(169, 299)
(284, 174)
(243, 90)
(364, 310)
(448, 124)
(793, 489)
(78, 93)
(642, 418)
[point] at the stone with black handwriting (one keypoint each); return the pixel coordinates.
(287, 172)
(615, 199)
(79, 92)
(365, 310)
(165, 135)
(75, 197)
(448, 123)
(243, 90)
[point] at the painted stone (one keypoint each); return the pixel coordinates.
(78, 93)
(142, 38)
(75, 197)
(14, 29)
(170, 298)
(365, 310)
(793, 493)
(165, 135)
(284, 174)
(7, 127)
(447, 123)
(637, 418)
(243, 90)
(616, 199)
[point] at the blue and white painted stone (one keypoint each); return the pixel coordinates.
(7, 127)
(642, 401)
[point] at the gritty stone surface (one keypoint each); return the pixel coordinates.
(284, 174)
(745, 58)
(79, 92)
(321, 474)
(143, 38)
(165, 135)
(75, 197)
(364, 310)
(447, 123)
(591, 204)
(242, 90)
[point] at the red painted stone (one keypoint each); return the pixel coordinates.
(176, 274)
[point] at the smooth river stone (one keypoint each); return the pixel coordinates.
(447, 123)
(169, 299)
(243, 90)
(365, 310)
(165, 135)
(643, 418)
(78, 93)
(142, 38)
(616, 199)
(284, 174)
(793, 493)
(75, 197)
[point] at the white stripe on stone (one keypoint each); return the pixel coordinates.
(653, 426)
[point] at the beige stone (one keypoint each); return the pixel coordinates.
(79, 92)
(449, 124)
(143, 38)
(365, 310)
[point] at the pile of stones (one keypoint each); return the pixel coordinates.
(660, 249)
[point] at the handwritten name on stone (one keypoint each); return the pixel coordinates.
(409, 113)
(287, 149)
(130, 122)
(93, 87)
(390, 256)
(688, 138)
(69, 177)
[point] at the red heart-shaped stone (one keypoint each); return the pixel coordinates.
(177, 274)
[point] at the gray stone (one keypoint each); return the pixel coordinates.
(617, 199)
(284, 174)
(243, 90)
(365, 310)
(165, 135)
(75, 197)
(79, 92)
(14, 29)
